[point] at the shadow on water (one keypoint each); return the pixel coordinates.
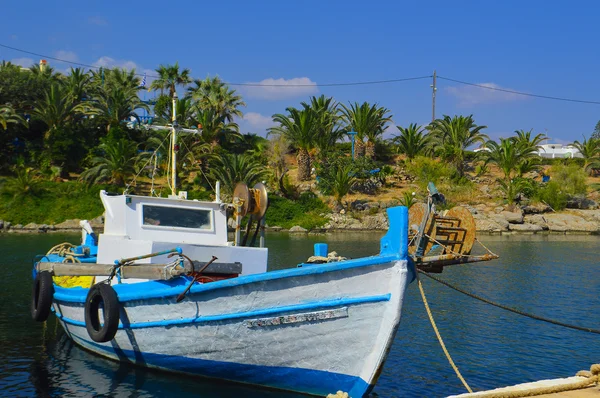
(68, 370)
(553, 276)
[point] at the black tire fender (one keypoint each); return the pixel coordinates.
(102, 295)
(41, 297)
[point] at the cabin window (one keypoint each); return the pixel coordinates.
(162, 216)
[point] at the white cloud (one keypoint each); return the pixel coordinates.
(471, 95)
(66, 55)
(255, 119)
(97, 20)
(24, 62)
(254, 122)
(273, 89)
(108, 62)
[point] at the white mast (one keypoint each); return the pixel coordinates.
(174, 146)
(174, 127)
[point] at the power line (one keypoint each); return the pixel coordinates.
(520, 92)
(49, 57)
(372, 82)
(332, 84)
(229, 83)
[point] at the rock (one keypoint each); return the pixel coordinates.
(1, 224)
(515, 217)
(18, 226)
(489, 225)
(297, 228)
(536, 219)
(7, 225)
(490, 222)
(372, 205)
(536, 209)
(570, 223)
(375, 222)
(525, 227)
(588, 215)
(32, 226)
(498, 209)
(68, 224)
(581, 202)
(275, 228)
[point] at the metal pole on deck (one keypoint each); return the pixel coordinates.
(262, 232)
(238, 222)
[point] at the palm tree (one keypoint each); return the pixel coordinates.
(412, 140)
(114, 165)
(169, 76)
(327, 123)
(367, 121)
(213, 94)
(55, 109)
(8, 116)
(47, 73)
(505, 155)
(231, 169)
(123, 78)
(298, 127)
(452, 136)
(590, 150)
(526, 143)
(343, 180)
(514, 156)
(216, 130)
(77, 83)
(185, 110)
(114, 105)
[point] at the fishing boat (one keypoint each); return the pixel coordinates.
(164, 287)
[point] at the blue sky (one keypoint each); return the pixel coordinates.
(541, 47)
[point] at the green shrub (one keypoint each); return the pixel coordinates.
(429, 170)
(571, 178)
(55, 203)
(553, 195)
(306, 211)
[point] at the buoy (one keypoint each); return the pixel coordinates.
(102, 294)
(41, 300)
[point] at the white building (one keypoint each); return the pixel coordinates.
(558, 151)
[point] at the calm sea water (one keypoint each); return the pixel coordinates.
(553, 276)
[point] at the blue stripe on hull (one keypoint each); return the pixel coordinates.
(308, 381)
(314, 305)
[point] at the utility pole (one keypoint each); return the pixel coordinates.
(434, 89)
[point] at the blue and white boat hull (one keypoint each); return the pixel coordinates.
(316, 329)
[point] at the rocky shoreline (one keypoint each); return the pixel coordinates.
(539, 219)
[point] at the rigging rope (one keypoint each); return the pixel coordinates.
(144, 166)
(439, 337)
(514, 310)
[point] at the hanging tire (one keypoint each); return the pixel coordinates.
(41, 297)
(102, 295)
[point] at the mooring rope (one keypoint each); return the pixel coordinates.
(439, 337)
(514, 310)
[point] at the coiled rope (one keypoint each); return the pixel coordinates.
(587, 379)
(513, 310)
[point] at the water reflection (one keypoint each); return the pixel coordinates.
(553, 276)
